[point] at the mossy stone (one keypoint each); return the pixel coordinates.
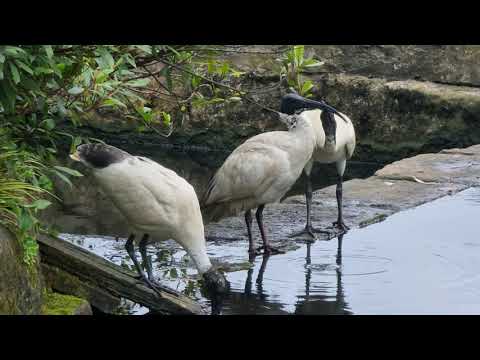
(59, 304)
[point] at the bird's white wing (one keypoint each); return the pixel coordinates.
(146, 192)
(248, 171)
(165, 185)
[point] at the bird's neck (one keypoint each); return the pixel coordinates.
(200, 258)
(304, 129)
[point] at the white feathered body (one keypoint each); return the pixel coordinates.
(260, 171)
(156, 201)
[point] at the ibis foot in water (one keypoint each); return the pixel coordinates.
(310, 230)
(340, 225)
(268, 250)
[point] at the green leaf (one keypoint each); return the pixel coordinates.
(113, 102)
(145, 113)
(64, 178)
(224, 70)
(48, 50)
(87, 77)
(210, 66)
(306, 87)
(236, 73)
(39, 70)
(77, 140)
(312, 63)
(29, 84)
(1, 71)
(15, 74)
(107, 58)
(298, 51)
(166, 118)
(49, 124)
(174, 51)
(129, 58)
(101, 77)
(61, 67)
(144, 48)
(76, 90)
(68, 171)
(41, 204)
(13, 50)
(196, 80)
(139, 82)
(7, 96)
(45, 183)
(2, 58)
(25, 221)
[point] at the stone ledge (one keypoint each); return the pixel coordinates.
(392, 189)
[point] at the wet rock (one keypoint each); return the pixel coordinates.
(366, 201)
(454, 166)
(21, 286)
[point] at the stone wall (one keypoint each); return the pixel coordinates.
(451, 64)
(381, 87)
(21, 287)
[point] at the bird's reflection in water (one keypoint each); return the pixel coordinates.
(311, 302)
(249, 302)
(323, 304)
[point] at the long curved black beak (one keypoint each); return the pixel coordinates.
(293, 102)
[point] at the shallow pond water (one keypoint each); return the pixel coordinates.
(424, 260)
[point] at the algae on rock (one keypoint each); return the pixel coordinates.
(59, 304)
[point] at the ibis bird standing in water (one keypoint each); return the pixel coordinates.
(157, 204)
(260, 172)
(335, 136)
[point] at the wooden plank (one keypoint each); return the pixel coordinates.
(113, 279)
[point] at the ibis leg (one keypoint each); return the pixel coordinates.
(248, 221)
(267, 248)
(131, 252)
(147, 261)
(339, 223)
(309, 229)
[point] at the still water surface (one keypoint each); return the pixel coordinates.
(420, 261)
